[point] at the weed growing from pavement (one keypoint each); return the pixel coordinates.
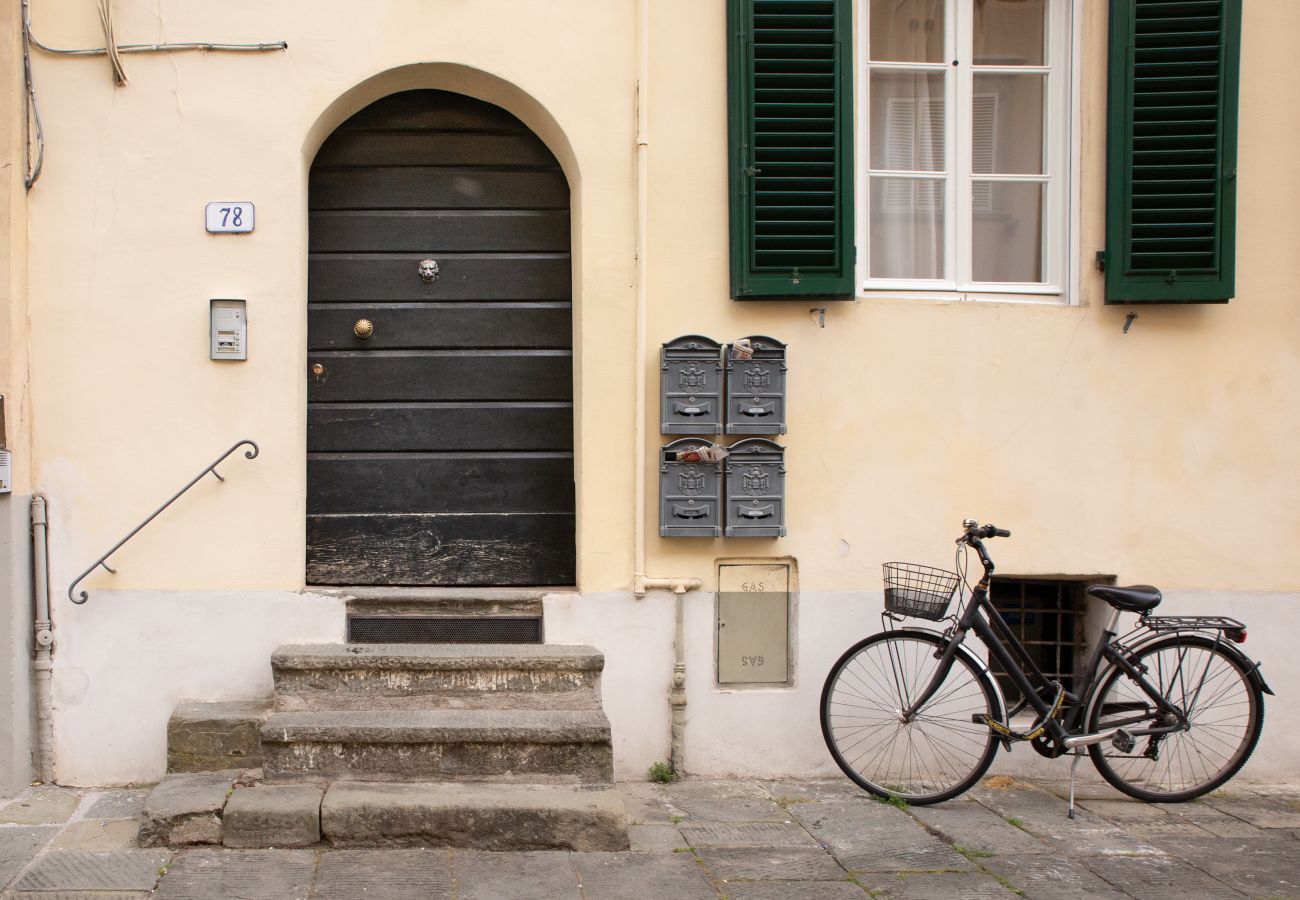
(661, 773)
(972, 853)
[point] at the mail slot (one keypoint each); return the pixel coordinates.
(690, 385)
(690, 491)
(755, 489)
(756, 388)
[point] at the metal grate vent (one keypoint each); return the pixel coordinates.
(444, 630)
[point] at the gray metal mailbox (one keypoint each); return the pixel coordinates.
(755, 489)
(690, 492)
(690, 386)
(756, 389)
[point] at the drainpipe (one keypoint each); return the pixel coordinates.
(43, 635)
(640, 583)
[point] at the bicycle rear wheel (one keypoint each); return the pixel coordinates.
(1211, 687)
(938, 754)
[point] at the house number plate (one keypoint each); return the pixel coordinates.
(229, 216)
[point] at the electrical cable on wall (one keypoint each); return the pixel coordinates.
(111, 49)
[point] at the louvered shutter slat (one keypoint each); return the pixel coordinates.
(789, 94)
(1171, 156)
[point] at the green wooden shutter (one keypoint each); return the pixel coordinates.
(1171, 186)
(791, 148)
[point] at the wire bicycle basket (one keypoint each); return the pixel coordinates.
(920, 591)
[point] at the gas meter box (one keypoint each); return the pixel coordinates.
(690, 386)
(755, 474)
(756, 387)
(690, 491)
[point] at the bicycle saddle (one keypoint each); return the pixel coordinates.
(1138, 598)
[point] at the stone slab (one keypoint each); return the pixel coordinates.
(1265, 866)
(1044, 815)
(19, 845)
(1046, 876)
(383, 875)
(99, 834)
(238, 875)
(719, 835)
(805, 890)
(208, 736)
(967, 823)
(88, 870)
(716, 789)
(119, 803)
(272, 815)
(519, 876)
(789, 791)
(655, 837)
(1158, 878)
(45, 805)
(437, 656)
(771, 864)
(637, 876)
(939, 886)
(80, 895)
(1258, 811)
(647, 804)
(699, 809)
(485, 817)
(876, 837)
(185, 808)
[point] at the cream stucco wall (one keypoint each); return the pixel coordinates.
(1161, 455)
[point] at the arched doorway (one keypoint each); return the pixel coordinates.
(440, 437)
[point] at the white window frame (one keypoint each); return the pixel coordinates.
(1061, 165)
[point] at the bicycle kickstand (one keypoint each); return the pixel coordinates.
(1074, 764)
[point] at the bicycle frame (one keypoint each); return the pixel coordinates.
(981, 617)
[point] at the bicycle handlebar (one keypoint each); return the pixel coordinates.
(974, 529)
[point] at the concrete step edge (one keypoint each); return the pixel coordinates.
(438, 657)
(426, 726)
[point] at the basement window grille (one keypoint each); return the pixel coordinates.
(1047, 617)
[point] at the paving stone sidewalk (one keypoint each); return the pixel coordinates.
(740, 839)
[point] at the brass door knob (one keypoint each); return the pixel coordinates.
(363, 328)
(317, 369)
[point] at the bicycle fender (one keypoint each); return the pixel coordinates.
(974, 659)
(1251, 667)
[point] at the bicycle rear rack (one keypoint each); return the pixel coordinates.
(1232, 629)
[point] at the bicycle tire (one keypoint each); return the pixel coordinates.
(1226, 717)
(941, 752)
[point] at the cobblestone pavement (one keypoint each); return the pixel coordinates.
(747, 840)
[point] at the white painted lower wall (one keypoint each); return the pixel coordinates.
(125, 659)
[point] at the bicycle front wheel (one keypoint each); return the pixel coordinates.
(937, 755)
(1223, 707)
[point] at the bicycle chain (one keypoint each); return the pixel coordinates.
(1034, 733)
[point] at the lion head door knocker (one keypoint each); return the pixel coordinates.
(428, 270)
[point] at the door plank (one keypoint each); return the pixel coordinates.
(440, 375)
(440, 483)
(462, 550)
(361, 427)
(439, 187)
(351, 278)
(542, 325)
(406, 148)
(430, 232)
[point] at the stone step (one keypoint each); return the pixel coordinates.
(208, 736)
(439, 745)
(436, 676)
(478, 816)
(434, 601)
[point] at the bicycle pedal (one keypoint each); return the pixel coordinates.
(1123, 741)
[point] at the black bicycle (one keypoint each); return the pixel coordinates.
(1168, 712)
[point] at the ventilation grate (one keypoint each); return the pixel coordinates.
(444, 630)
(1047, 616)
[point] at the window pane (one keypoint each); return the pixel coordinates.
(906, 228)
(907, 30)
(1010, 32)
(1007, 120)
(1008, 231)
(907, 121)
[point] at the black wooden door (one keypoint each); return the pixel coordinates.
(439, 448)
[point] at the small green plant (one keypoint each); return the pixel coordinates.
(1016, 822)
(893, 800)
(661, 773)
(676, 820)
(972, 853)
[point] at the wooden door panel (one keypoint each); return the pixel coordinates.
(348, 278)
(483, 549)
(369, 427)
(440, 448)
(430, 232)
(441, 483)
(544, 325)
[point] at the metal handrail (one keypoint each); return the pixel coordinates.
(102, 561)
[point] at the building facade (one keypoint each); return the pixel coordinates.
(575, 170)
